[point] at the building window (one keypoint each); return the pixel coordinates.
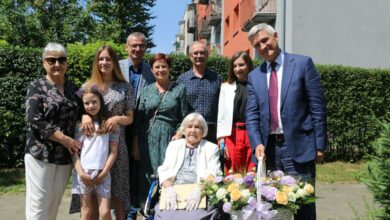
(235, 26)
(227, 29)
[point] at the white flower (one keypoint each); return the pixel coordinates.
(291, 197)
(301, 193)
(245, 194)
(295, 188)
(239, 180)
(221, 193)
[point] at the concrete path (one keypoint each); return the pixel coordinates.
(335, 202)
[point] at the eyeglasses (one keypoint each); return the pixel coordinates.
(134, 46)
(53, 60)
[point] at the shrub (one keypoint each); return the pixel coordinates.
(350, 92)
(18, 67)
(378, 171)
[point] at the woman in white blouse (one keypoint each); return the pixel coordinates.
(231, 127)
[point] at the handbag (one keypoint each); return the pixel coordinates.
(151, 122)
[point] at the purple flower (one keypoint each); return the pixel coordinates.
(226, 207)
(218, 179)
(288, 180)
(228, 178)
(269, 193)
(278, 173)
(248, 180)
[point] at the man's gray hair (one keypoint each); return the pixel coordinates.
(191, 118)
(53, 47)
(260, 27)
(137, 35)
(198, 42)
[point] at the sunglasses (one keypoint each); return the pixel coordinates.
(53, 60)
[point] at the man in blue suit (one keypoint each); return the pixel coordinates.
(286, 112)
(137, 72)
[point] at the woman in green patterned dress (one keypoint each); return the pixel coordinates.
(161, 109)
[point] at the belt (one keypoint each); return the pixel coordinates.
(240, 127)
(277, 137)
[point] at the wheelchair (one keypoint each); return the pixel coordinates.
(154, 195)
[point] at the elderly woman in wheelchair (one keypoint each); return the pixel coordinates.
(187, 160)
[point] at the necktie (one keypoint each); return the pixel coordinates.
(273, 98)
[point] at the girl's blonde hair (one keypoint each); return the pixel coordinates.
(96, 77)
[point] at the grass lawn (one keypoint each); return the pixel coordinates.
(12, 180)
(340, 172)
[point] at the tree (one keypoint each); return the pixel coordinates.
(117, 19)
(378, 171)
(36, 22)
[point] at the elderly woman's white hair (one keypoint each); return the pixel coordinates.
(53, 47)
(192, 117)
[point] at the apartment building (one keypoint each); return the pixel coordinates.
(348, 32)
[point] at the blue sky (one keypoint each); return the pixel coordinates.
(168, 13)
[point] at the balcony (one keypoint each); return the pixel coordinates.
(205, 31)
(179, 36)
(215, 19)
(262, 11)
(216, 13)
(191, 26)
(204, 34)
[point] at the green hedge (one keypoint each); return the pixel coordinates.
(18, 67)
(352, 95)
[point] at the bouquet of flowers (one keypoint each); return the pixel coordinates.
(234, 191)
(241, 192)
(284, 191)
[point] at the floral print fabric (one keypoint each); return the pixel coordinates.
(48, 110)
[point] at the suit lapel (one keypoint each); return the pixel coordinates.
(141, 84)
(288, 70)
(126, 68)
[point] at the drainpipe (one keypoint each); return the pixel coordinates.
(282, 33)
(222, 40)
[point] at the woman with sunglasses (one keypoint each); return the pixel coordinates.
(51, 113)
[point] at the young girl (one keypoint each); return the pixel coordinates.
(97, 156)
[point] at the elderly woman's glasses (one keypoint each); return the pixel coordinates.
(53, 60)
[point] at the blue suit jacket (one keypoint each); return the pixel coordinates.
(302, 108)
(147, 76)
